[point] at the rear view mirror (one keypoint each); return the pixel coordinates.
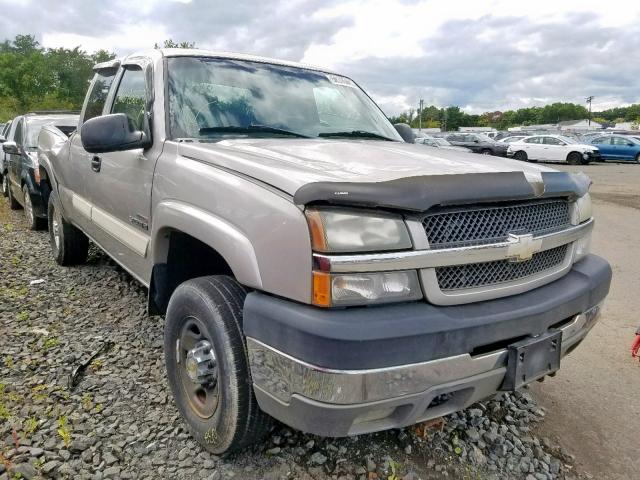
(11, 148)
(405, 132)
(111, 133)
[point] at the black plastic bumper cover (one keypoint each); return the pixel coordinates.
(376, 337)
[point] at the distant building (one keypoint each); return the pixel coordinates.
(626, 126)
(476, 129)
(579, 125)
(534, 128)
(425, 131)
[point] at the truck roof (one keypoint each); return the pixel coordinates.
(195, 52)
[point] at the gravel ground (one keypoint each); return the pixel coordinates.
(120, 420)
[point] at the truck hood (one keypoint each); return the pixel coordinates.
(289, 164)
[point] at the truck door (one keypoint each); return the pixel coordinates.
(119, 185)
(74, 174)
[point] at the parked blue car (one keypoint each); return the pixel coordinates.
(622, 148)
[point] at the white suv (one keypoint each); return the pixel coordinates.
(556, 148)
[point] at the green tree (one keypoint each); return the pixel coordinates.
(169, 43)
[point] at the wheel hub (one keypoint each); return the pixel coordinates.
(201, 364)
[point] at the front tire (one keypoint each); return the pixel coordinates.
(207, 364)
(33, 222)
(574, 158)
(68, 244)
(521, 155)
(485, 151)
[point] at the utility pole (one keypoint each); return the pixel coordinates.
(420, 115)
(589, 100)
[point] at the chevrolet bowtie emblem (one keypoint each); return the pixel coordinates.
(522, 247)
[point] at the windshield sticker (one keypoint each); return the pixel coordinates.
(338, 80)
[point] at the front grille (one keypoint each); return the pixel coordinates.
(491, 273)
(493, 223)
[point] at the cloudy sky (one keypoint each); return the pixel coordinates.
(480, 55)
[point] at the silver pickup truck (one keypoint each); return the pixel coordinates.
(311, 265)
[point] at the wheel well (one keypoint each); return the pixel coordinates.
(187, 257)
(45, 187)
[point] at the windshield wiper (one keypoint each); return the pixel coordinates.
(250, 129)
(355, 134)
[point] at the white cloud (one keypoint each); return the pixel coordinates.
(488, 55)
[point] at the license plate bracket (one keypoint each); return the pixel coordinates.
(531, 359)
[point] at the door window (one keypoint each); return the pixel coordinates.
(620, 141)
(131, 97)
(602, 140)
(533, 140)
(98, 96)
(552, 141)
(18, 136)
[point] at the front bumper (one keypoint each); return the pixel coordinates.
(353, 377)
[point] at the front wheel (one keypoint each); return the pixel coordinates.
(520, 155)
(33, 222)
(68, 244)
(486, 151)
(207, 364)
(574, 158)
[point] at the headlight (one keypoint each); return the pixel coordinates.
(365, 288)
(353, 231)
(583, 208)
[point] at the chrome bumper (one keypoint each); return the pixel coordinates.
(283, 377)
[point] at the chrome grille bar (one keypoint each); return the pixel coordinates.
(418, 259)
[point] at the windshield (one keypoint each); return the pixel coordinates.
(442, 141)
(208, 95)
(483, 138)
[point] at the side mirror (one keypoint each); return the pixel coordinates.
(405, 132)
(629, 144)
(11, 148)
(111, 133)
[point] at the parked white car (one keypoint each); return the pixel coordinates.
(553, 148)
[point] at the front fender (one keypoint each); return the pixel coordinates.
(210, 229)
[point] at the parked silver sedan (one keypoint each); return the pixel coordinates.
(439, 142)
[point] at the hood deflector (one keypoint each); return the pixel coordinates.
(423, 192)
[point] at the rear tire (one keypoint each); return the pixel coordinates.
(521, 155)
(574, 158)
(68, 244)
(13, 203)
(221, 412)
(33, 222)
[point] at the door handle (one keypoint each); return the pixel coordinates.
(96, 162)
